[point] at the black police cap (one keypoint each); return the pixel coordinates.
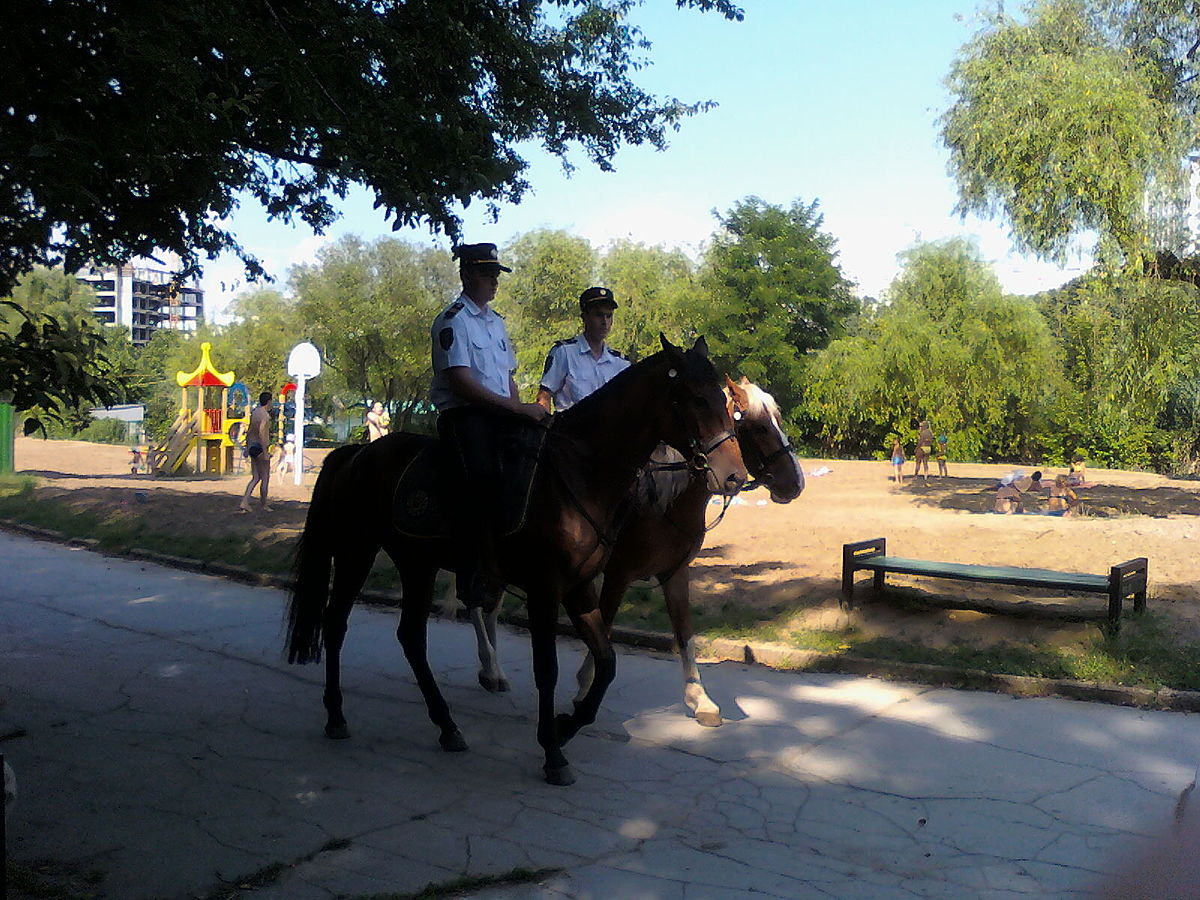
(478, 255)
(594, 295)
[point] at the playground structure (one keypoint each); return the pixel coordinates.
(203, 427)
(287, 394)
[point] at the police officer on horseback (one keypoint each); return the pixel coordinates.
(476, 397)
(577, 366)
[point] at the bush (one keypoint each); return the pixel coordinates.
(105, 431)
(315, 431)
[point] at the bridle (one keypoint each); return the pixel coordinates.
(697, 462)
(763, 460)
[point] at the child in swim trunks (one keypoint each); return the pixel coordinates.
(898, 461)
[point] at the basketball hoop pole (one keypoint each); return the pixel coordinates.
(298, 449)
(304, 362)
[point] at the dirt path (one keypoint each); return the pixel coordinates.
(782, 559)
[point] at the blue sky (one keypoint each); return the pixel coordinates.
(836, 102)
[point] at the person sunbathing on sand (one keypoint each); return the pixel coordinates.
(1008, 497)
(1063, 500)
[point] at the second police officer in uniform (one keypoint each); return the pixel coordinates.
(578, 366)
(476, 396)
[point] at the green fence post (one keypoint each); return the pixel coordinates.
(7, 439)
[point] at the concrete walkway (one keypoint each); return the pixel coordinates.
(169, 753)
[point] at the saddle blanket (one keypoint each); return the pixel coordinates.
(418, 505)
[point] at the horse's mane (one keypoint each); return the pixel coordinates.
(695, 367)
(760, 403)
(659, 487)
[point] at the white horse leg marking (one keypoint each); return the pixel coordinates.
(489, 622)
(491, 676)
(706, 711)
(583, 678)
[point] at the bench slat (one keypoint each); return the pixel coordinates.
(1079, 581)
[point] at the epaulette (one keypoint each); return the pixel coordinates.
(566, 341)
(618, 354)
(452, 310)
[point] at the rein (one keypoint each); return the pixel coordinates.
(698, 463)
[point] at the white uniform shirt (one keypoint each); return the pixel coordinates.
(465, 335)
(572, 372)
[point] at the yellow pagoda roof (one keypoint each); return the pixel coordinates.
(205, 375)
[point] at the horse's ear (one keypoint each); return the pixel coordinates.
(744, 382)
(670, 348)
(701, 346)
(737, 392)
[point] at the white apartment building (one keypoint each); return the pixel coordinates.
(143, 297)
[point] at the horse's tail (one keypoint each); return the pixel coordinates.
(314, 562)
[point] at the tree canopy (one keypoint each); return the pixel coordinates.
(949, 347)
(368, 306)
(52, 352)
(775, 292)
(126, 128)
(540, 298)
(1058, 127)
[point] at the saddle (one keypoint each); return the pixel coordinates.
(417, 505)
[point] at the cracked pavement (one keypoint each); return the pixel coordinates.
(169, 746)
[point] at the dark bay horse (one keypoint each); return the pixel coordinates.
(590, 461)
(665, 530)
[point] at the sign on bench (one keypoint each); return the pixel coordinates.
(1125, 580)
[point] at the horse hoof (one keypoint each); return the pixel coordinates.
(560, 776)
(491, 685)
(453, 741)
(709, 719)
(338, 732)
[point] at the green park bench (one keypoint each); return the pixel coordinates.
(1124, 580)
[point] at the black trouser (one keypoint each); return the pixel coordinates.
(470, 438)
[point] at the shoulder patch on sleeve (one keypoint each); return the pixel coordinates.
(452, 310)
(446, 338)
(549, 363)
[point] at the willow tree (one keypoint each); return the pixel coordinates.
(659, 293)
(1057, 127)
(948, 346)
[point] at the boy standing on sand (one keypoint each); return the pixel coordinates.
(258, 439)
(941, 456)
(897, 453)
